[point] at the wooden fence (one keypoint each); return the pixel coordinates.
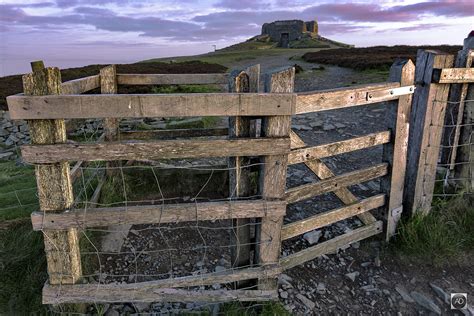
(46, 103)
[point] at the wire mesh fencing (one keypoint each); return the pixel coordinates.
(456, 163)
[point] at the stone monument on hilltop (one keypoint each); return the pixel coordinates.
(290, 30)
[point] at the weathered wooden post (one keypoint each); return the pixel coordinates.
(53, 180)
(462, 159)
(427, 119)
(398, 120)
(239, 174)
(273, 174)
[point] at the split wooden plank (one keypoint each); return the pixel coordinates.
(310, 190)
(273, 175)
(457, 93)
(331, 245)
(315, 101)
(173, 133)
(152, 214)
(79, 290)
(337, 148)
(395, 152)
(171, 79)
(53, 181)
(117, 294)
(160, 149)
(149, 105)
(453, 75)
(81, 85)
(320, 220)
(239, 175)
(296, 141)
(426, 121)
(322, 171)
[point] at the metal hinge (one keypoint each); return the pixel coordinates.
(397, 212)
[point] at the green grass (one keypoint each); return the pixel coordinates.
(22, 270)
(267, 309)
(229, 58)
(17, 191)
(186, 88)
(444, 236)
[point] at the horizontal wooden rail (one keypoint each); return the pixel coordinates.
(344, 146)
(71, 292)
(164, 79)
(81, 85)
(153, 214)
(320, 220)
(310, 190)
(160, 149)
(331, 245)
(314, 101)
(173, 133)
(116, 293)
(149, 105)
(453, 75)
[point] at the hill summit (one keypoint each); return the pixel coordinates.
(288, 34)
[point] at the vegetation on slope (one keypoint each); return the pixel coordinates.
(377, 57)
(12, 84)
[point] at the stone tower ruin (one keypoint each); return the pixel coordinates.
(284, 32)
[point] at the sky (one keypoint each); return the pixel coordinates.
(69, 33)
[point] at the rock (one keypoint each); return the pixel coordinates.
(355, 245)
(301, 127)
(141, 307)
(328, 127)
(6, 155)
(321, 288)
(441, 293)
(284, 294)
(404, 293)
(426, 302)
(112, 312)
(4, 132)
(352, 275)
(312, 237)
(306, 301)
(339, 125)
(219, 268)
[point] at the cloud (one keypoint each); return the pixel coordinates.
(242, 4)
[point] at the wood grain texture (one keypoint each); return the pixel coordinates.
(310, 190)
(315, 101)
(453, 75)
(322, 171)
(337, 148)
(53, 181)
(171, 79)
(239, 176)
(120, 293)
(152, 214)
(160, 149)
(149, 105)
(173, 133)
(329, 217)
(395, 152)
(273, 174)
(331, 245)
(426, 121)
(81, 85)
(463, 162)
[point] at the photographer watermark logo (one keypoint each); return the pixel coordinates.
(458, 300)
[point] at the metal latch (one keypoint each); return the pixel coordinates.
(402, 90)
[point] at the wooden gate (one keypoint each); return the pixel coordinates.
(394, 139)
(46, 107)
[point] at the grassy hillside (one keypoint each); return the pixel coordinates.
(377, 57)
(12, 84)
